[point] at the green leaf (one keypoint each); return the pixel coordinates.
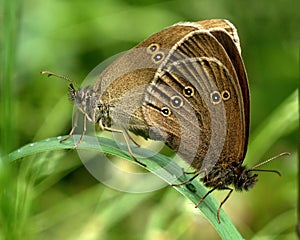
(168, 171)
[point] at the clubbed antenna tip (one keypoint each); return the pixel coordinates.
(59, 76)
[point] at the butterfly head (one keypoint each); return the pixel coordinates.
(89, 103)
(244, 179)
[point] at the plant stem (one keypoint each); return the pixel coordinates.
(8, 59)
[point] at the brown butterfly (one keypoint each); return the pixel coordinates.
(186, 86)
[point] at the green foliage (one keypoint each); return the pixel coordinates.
(49, 194)
(158, 164)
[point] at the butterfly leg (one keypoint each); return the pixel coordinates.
(73, 128)
(224, 200)
(131, 139)
(82, 134)
(127, 143)
(202, 199)
(197, 173)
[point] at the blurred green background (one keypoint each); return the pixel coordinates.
(51, 196)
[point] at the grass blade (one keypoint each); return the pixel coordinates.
(168, 170)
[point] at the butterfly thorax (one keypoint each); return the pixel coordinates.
(89, 103)
(240, 177)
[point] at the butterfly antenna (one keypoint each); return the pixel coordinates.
(59, 76)
(269, 160)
